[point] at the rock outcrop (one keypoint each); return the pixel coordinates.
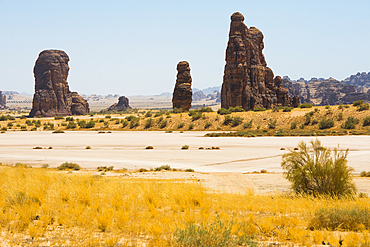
(248, 82)
(360, 80)
(198, 96)
(182, 94)
(122, 105)
(2, 100)
(52, 96)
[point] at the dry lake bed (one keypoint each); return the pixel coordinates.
(126, 149)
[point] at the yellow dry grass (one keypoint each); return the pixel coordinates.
(45, 207)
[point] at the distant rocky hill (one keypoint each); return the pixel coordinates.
(360, 80)
(324, 92)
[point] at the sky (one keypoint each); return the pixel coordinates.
(133, 47)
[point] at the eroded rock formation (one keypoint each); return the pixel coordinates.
(122, 105)
(182, 94)
(360, 80)
(248, 82)
(52, 96)
(2, 100)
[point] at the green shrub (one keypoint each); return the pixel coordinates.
(340, 116)
(314, 121)
(341, 218)
(363, 107)
(159, 119)
(71, 125)
(236, 121)
(57, 131)
(108, 116)
(207, 125)
(134, 123)
(248, 125)
(277, 108)
(340, 107)
(69, 119)
(124, 123)
(217, 233)
(58, 117)
(363, 174)
(305, 105)
(357, 102)
(326, 123)
(177, 110)
(10, 124)
(223, 111)
(195, 115)
(350, 123)
(189, 170)
(307, 119)
(148, 114)
(163, 124)
(180, 125)
(287, 109)
(259, 109)
(149, 123)
(191, 126)
(69, 166)
(236, 109)
(130, 118)
(163, 167)
(293, 125)
(327, 107)
(227, 120)
(185, 147)
(272, 123)
(315, 171)
(366, 121)
(205, 109)
(29, 123)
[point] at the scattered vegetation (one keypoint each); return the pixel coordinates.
(69, 166)
(350, 123)
(305, 105)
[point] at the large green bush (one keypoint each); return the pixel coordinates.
(305, 105)
(326, 123)
(350, 123)
(316, 170)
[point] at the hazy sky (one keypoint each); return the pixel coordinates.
(132, 47)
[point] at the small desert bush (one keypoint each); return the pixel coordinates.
(259, 109)
(340, 116)
(363, 107)
(236, 121)
(248, 125)
(88, 147)
(207, 124)
(217, 233)
(69, 166)
(366, 121)
(71, 125)
(227, 120)
(180, 125)
(124, 123)
(185, 147)
(149, 123)
(105, 168)
(350, 123)
(195, 115)
(189, 170)
(236, 109)
(307, 119)
(357, 102)
(305, 105)
(191, 126)
(134, 123)
(163, 124)
(272, 123)
(163, 167)
(57, 131)
(58, 117)
(149, 147)
(326, 123)
(177, 110)
(287, 109)
(293, 125)
(69, 119)
(316, 171)
(223, 111)
(341, 218)
(277, 108)
(148, 114)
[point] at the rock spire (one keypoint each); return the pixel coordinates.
(52, 96)
(182, 94)
(248, 82)
(122, 105)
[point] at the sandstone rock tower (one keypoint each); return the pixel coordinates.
(182, 94)
(52, 96)
(248, 82)
(2, 100)
(123, 104)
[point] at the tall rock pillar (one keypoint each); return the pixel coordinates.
(182, 94)
(52, 96)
